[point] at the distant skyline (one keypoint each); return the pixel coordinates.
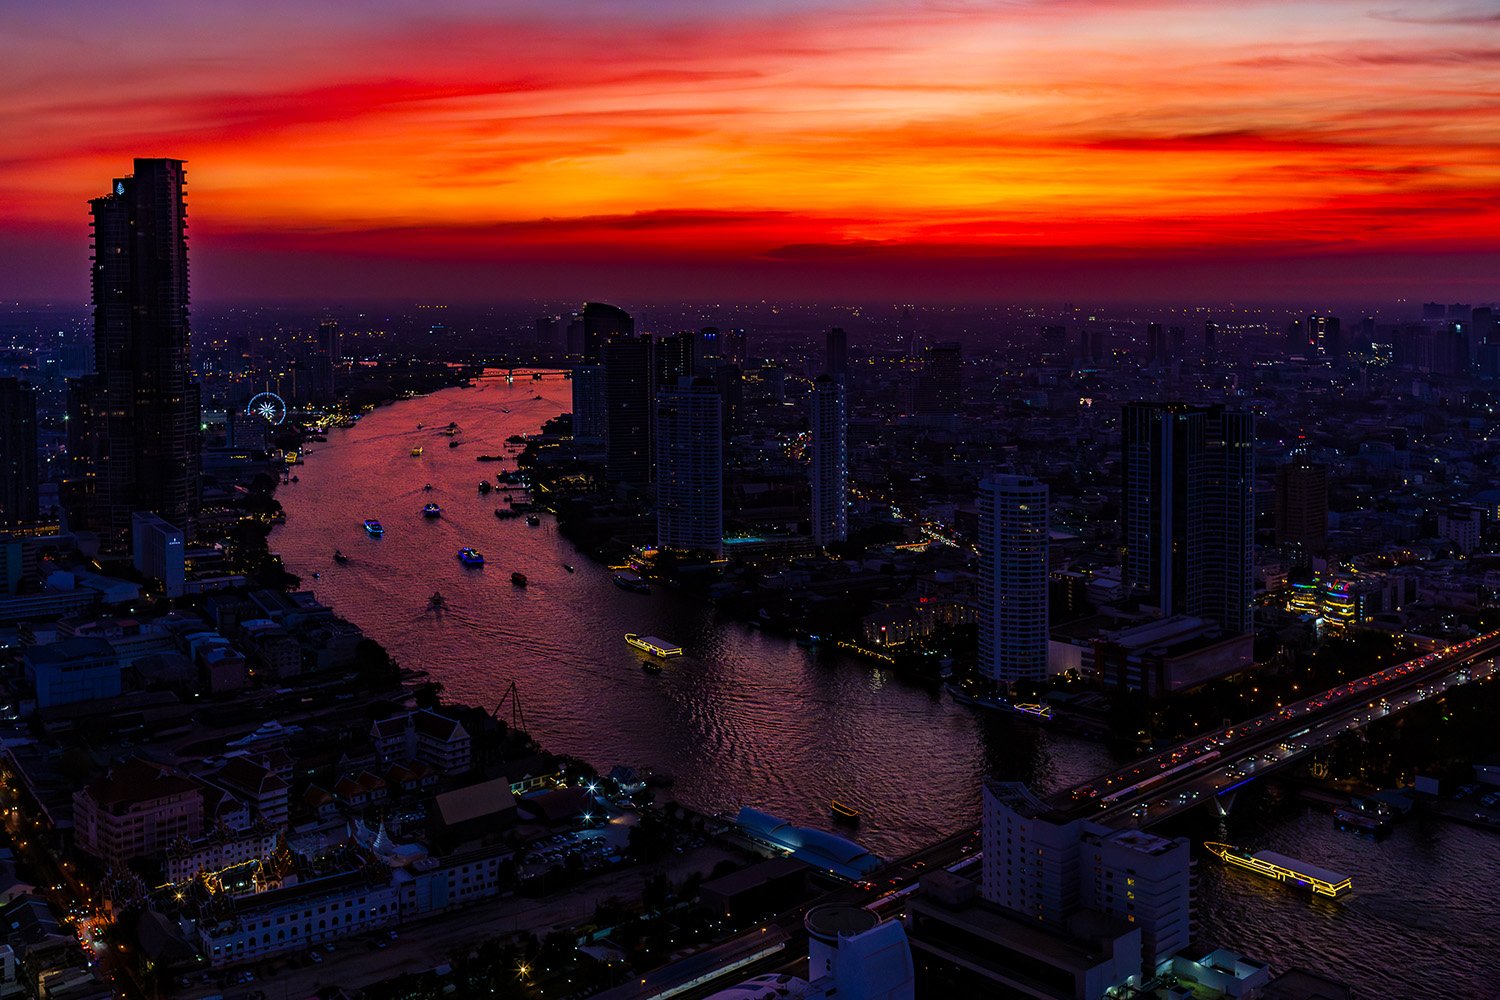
(1131, 151)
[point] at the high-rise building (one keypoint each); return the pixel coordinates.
(1302, 506)
(629, 385)
(1013, 582)
(601, 324)
(157, 551)
(1210, 337)
(142, 398)
(547, 330)
(836, 352)
(326, 361)
(940, 384)
(1048, 867)
(828, 414)
(18, 456)
(1325, 336)
(1156, 348)
(731, 384)
(690, 467)
(1187, 513)
(588, 403)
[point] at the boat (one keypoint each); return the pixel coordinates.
(437, 602)
(295, 479)
(470, 557)
(432, 510)
(489, 458)
(651, 667)
(568, 567)
(519, 579)
(453, 444)
(339, 557)
(533, 521)
(1280, 868)
(416, 452)
(631, 582)
(1361, 821)
(427, 488)
(843, 813)
(653, 645)
(506, 514)
(485, 487)
(373, 528)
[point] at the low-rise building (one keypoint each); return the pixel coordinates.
(137, 810)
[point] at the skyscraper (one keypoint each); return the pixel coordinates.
(145, 405)
(836, 352)
(1302, 506)
(1325, 336)
(602, 323)
(690, 467)
(325, 362)
(588, 403)
(18, 457)
(1012, 578)
(1187, 514)
(828, 415)
(629, 385)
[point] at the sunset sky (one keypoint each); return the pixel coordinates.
(1136, 149)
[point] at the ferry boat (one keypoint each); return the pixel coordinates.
(470, 557)
(846, 814)
(532, 521)
(653, 645)
(630, 582)
(519, 579)
(416, 452)
(373, 528)
(432, 510)
(1279, 867)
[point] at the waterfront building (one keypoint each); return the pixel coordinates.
(1187, 512)
(628, 390)
(18, 456)
(142, 406)
(1013, 580)
(588, 404)
(326, 362)
(158, 552)
(423, 736)
(137, 811)
(690, 468)
(828, 413)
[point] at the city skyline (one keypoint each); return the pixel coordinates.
(1145, 152)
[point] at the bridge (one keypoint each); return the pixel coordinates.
(1211, 767)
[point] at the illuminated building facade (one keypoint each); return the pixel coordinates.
(828, 413)
(1013, 579)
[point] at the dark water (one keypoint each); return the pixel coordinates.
(746, 718)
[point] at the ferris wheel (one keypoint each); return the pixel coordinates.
(269, 407)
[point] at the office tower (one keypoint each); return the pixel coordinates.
(1302, 506)
(828, 416)
(707, 351)
(732, 347)
(730, 382)
(1156, 348)
(1298, 340)
(157, 551)
(690, 467)
(941, 382)
(146, 405)
(547, 328)
(1325, 336)
(1187, 514)
(1210, 338)
(575, 338)
(588, 403)
(18, 456)
(672, 358)
(628, 391)
(1049, 867)
(1177, 341)
(1013, 579)
(602, 323)
(836, 353)
(325, 362)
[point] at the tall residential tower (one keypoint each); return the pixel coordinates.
(828, 414)
(1012, 578)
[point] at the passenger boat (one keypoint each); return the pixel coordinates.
(843, 813)
(519, 579)
(416, 452)
(1279, 867)
(532, 521)
(631, 582)
(373, 528)
(470, 557)
(653, 645)
(432, 510)
(339, 557)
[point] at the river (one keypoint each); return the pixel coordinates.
(747, 718)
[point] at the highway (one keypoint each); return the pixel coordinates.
(1155, 788)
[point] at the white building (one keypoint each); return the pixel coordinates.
(690, 468)
(158, 551)
(828, 415)
(1013, 635)
(298, 916)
